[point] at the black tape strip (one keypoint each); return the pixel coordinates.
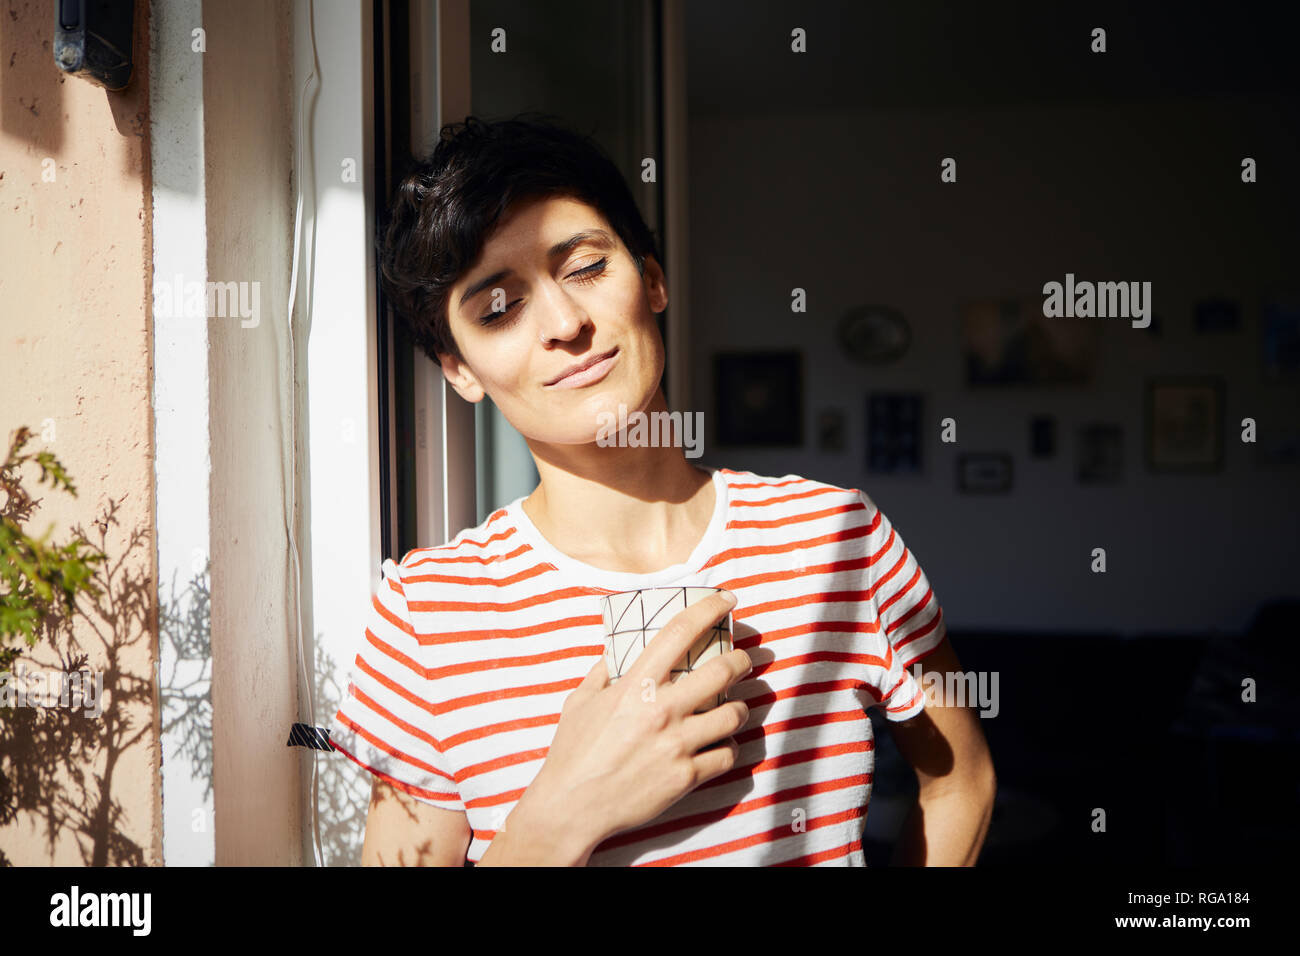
(305, 735)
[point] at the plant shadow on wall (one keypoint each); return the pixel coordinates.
(343, 789)
(57, 763)
(185, 682)
(184, 625)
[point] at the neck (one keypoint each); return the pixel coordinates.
(644, 505)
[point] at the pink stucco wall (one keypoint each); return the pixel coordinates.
(76, 364)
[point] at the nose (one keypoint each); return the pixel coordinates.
(561, 319)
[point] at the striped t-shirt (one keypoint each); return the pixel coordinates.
(473, 646)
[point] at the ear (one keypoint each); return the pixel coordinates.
(656, 285)
(461, 378)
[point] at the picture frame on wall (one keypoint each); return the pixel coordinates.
(1010, 342)
(759, 398)
(894, 432)
(874, 334)
(1184, 424)
(830, 429)
(1042, 436)
(984, 473)
(1101, 453)
(1279, 329)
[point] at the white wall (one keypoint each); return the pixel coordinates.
(248, 94)
(181, 464)
(335, 316)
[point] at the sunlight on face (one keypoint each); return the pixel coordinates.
(539, 301)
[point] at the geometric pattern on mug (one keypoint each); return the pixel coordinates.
(633, 618)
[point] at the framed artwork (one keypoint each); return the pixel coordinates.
(1101, 453)
(874, 334)
(1011, 342)
(759, 398)
(1184, 417)
(1042, 436)
(894, 432)
(1280, 341)
(830, 429)
(984, 472)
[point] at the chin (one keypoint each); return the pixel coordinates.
(599, 417)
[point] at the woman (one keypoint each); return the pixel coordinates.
(517, 257)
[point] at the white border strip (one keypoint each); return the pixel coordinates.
(180, 396)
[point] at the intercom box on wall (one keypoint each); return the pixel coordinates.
(92, 38)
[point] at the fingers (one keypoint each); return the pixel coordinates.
(710, 727)
(701, 685)
(677, 637)
(715, 762)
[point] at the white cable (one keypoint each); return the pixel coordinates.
(292, 514)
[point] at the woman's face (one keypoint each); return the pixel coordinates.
(540, 301)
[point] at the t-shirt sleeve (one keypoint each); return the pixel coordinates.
(906, 607)
(385, 721)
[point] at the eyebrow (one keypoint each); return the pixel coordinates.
(597, 237)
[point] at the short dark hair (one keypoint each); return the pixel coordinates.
(445, 206)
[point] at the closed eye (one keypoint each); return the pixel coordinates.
(588, 274)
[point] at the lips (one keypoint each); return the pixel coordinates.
(594, 360)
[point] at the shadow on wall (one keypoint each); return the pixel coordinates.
(342, 787)
(50, 757)
(58, 763)
(185, 622)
